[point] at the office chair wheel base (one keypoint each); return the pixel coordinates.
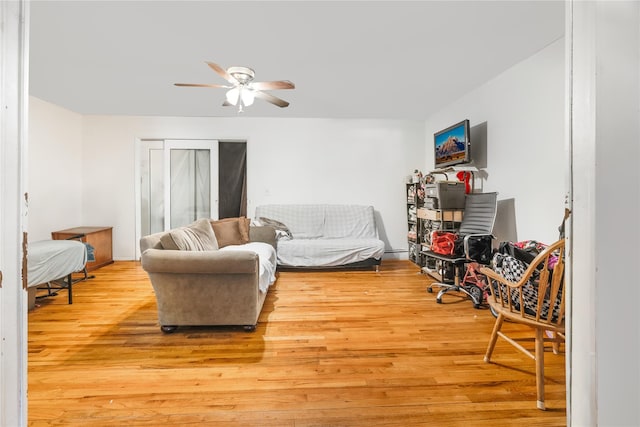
(476, 295)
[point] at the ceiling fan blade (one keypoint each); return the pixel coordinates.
(272, 99)
(281, 84)
(200, 85)
(222, 72)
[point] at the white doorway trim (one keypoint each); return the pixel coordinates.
(14, 98)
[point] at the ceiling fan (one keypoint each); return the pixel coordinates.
(243, 90)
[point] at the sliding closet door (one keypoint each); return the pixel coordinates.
(178, 183)
(193, 181)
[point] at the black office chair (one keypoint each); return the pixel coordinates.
(476, 228)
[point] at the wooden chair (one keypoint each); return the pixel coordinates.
(537, 300)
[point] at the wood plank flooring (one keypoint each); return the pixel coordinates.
(332, 348)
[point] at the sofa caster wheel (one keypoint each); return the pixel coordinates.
(249, 328)
(168, 329)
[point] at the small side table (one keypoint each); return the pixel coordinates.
(98, 237)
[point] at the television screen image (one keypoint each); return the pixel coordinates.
(452, 145)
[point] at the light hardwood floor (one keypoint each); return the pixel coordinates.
(340, 348)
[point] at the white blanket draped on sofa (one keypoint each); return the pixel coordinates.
(325, 235)
(266, 258)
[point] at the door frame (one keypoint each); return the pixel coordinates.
(14, 124)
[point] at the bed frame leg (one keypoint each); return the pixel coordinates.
(70, 284)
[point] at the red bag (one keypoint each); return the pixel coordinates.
(443, 242)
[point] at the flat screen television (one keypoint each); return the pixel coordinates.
(452, 146)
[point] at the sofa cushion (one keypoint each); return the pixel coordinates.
(197, 236)
(349, 221)
(327, 252)
(231, 231)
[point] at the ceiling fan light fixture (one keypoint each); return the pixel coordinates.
(233, 95)
(248, 96)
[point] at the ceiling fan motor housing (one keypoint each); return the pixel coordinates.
(242, 74)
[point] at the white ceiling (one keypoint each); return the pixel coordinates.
(359, 59)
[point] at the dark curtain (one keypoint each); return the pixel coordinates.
(232, 179)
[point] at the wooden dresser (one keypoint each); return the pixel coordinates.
(98, 237)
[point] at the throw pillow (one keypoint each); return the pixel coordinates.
(231, 231)
(282, 231)
(197, 236)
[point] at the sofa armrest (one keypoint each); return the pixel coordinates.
(199, 262)
(151, 241)
(263, 233)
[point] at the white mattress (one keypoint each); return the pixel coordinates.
(327, 252)
(49, 260)
(267, 260)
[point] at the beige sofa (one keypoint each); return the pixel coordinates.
(209, 284)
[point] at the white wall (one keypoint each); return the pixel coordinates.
(617, 154)
(55, 167)
(517, 134)
(288, 160)
(605, 326)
